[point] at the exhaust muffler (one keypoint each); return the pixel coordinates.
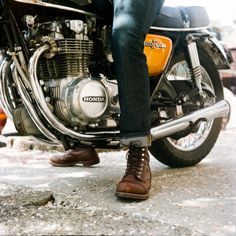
(219, 109)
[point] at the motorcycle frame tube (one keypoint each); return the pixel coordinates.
(179, 29)
(42, 105)
(60, 7)
(26, 99)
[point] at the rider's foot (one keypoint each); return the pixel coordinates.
(136, 182)
(86, 157)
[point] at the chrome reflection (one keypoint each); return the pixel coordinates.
(5, 100)
(50, 5)
(219, 109)
(27, 101)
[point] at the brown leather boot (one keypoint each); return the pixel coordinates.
(84, 156)
(136, 182)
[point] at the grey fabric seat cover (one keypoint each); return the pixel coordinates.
(177, 17)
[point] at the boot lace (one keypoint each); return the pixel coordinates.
(135, 161)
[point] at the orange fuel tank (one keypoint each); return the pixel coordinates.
(157, 50)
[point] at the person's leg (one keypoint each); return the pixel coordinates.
(132, 19)
(100, 7)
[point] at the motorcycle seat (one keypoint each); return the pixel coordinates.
(182, 17)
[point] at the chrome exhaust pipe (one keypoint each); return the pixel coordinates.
(219, 109)
(4, 99)
(26, 99)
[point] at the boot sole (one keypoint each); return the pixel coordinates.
(84, 163)
(132, 196)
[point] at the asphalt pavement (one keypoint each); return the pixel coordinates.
(36, 198)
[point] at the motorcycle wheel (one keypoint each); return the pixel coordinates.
(192, 148)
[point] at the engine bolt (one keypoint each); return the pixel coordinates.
(71, 144)
(41, 82)
(45, 89)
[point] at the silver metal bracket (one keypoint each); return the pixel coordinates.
(195, 66)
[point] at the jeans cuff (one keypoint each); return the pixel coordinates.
(142, 141)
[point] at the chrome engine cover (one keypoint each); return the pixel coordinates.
(87, 99)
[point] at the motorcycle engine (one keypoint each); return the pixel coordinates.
(75, 97)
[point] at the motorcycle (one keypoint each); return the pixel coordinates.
(57, 80)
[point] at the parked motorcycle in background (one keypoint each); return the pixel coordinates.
(57, 81)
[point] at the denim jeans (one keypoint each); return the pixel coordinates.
(131, 22)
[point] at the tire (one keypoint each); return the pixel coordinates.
(177, 155)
